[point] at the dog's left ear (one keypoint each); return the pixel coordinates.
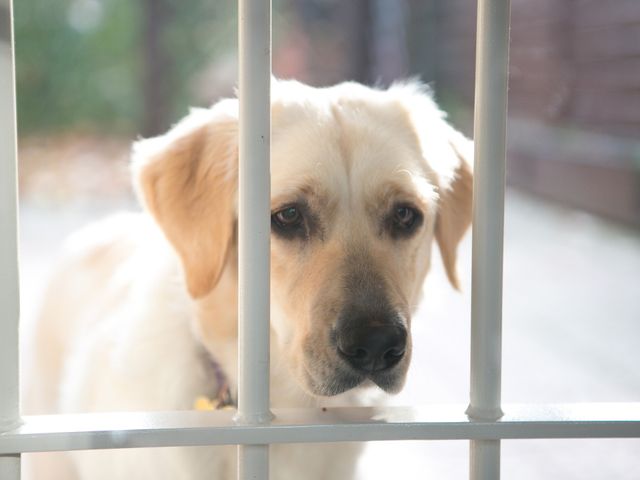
(455, 202)
(187, 181)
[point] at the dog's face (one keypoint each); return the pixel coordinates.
(362, 181)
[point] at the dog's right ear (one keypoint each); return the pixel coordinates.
(187, 179)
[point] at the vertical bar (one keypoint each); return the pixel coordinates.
(490, 120)
(10, 467)
(253, 462)
(485, 459)
(9, 293)
(254, 229)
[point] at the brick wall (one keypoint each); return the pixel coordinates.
(574, 85)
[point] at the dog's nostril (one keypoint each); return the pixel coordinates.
(356, 353)
(393, 353)
(361, 353)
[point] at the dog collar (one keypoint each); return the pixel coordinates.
(222, 398)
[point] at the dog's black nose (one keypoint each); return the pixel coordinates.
(373, 348)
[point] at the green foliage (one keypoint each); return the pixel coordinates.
(198, 33)
(80, 63)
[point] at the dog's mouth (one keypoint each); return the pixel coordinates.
(389, 381)
(345, 378)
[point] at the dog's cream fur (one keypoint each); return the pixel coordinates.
(142, 300)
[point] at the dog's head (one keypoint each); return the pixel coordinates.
(362, 182)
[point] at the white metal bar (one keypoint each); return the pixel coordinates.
(434, 422)
(254, 18)
(9, 293)
(490, 120)
(253, 461)
(485, 459)
(488, 207)
(254, 223)
(9, 298)
(9, 467)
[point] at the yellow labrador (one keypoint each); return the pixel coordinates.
(142, 316)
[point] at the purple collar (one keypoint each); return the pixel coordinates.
(221, 395)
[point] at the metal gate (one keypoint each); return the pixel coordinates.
(254, 427)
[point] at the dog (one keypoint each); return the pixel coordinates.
(141, 315)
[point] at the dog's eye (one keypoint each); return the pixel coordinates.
(405, 220)
(405, 216)
(289, 222)
(288, 216)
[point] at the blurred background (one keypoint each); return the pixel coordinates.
(94, 75)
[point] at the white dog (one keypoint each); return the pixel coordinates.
(142, 316)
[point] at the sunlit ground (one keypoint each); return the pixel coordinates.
(571, 320)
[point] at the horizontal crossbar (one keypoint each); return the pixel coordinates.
(435, 422)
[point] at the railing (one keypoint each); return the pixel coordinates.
(253, 428)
